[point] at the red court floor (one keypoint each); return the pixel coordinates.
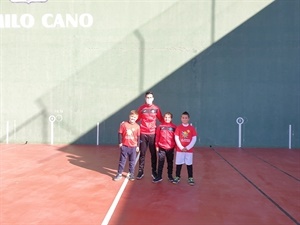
(61, 185)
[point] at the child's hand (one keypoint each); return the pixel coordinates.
(137, 149)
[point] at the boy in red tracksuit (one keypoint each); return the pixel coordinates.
(165, 143)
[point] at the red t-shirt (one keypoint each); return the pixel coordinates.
(147, 116)
(165, 134)
(185, 135)
(130, 133)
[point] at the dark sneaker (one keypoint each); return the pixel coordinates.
(140, 175)
(191, 181)
(154, 174)
(118, 177)
(131, 177)
(157, 179)
(171, 179)
(176, 180)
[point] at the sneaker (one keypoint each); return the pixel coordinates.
(157, 179)
(176, 180)
(154, 174)
(140, 175)
(171, 179)
(131, 177)
(191, 181)
(118, 177)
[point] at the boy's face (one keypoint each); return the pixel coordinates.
(168, 118)
(149, 99)
(185, 119)
(132, 118)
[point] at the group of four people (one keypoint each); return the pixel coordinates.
(162, 140)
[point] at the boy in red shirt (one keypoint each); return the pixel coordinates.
(129, 139)
(165, 143)
(185, 138)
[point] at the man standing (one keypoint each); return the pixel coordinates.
(148, 113)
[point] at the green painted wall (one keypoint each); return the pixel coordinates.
(219, 60)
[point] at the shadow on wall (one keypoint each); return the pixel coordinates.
(252, 72)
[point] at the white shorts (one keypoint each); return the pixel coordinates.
(184, 158)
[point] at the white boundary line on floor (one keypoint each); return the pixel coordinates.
(117, 198)
(12, 146)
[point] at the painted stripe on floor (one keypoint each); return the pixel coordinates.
(117, 198)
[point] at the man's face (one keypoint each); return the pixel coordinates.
(149, 99)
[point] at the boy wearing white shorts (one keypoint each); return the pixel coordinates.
(185, 138)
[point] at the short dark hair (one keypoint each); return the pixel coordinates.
(149, 93)
(186, 113)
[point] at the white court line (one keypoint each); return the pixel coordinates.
(117, 198)
(12, 147)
